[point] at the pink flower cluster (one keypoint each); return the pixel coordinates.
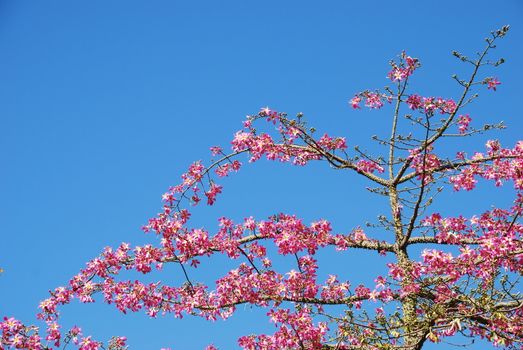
(295, 330)
(331, 143)
(368, 166)
(449, 230)
(373, 100)
(430, 105)
(492, 83)
(498, 164)
(18, 336)
(224, 169)
(424, 163)
(402, 70)
(498, 240)
(463, 123)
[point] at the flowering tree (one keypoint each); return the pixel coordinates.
(465, 282)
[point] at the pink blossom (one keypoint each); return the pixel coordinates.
(414, 101)
(215, 150)
(463, 123)
(492, 83)
(369, 166)
(404, 69)
(88, 344)
(355, 102)
(373, 100)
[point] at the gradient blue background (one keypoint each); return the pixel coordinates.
(103, 104)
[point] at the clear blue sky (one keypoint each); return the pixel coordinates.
(103, 104)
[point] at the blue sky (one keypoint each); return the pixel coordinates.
(103, 104)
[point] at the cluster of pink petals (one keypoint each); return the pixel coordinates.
(373, 100)
(331, 143)
(369, 166)
(18, 336)
(498, 238)
(355, 102)
(402, 70)
(430, 105)
(224, 169)
(257, 145)
(505, 165)
(492, 83)
(463, 123)
(295, 330)
(424, 162)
